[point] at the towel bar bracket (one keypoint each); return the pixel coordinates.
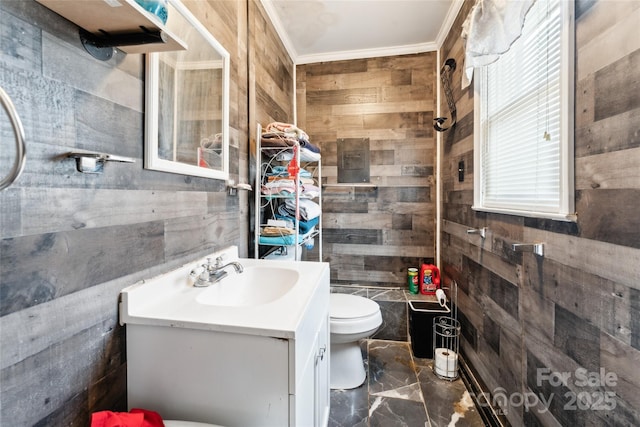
(90, 162)
(536, 248)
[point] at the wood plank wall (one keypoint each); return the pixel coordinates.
(271, 86)
(578, 307)
(371, 236)
(70, 241)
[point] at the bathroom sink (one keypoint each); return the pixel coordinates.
(268, 298)
(254, 286)
(248, 350)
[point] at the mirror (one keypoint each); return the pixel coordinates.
(187, 102)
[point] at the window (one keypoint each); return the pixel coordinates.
(523, 124)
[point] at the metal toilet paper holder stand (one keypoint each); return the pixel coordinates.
(446, 341)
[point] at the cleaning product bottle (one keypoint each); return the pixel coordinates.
(429, 279)
(412, 280)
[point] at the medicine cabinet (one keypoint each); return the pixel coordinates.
(187, 102)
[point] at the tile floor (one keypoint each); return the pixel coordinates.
(402, 390)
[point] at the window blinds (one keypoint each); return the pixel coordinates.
(521, 112)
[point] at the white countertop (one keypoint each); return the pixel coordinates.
(170, 300)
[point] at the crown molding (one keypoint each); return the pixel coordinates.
(366, 53)
(452, 14)
(297, 59)
(277, 24)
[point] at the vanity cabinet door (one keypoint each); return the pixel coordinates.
(321, 376)
(311, 399)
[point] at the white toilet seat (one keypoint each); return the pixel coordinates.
(351, 314)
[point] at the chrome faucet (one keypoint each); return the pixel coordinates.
(211, 273)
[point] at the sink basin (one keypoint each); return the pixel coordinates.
(269, 298)
(255, 286)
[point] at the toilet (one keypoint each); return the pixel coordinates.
(352, 318)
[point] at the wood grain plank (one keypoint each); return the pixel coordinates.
(621, 360)
(577, 339)
(375, 221)
(57, 209)
(619, 223)
(388, 250)
(33, 270)
(116, 86)
(603, 35)
(613, 170)
(614, 90)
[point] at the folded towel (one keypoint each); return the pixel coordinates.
(135, 418)
(284, 240)
(305, 155)
(277, 231)
(303, 226)
(287, 128)
(307, 207)
(309, 146)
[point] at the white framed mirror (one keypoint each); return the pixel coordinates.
(187, 102)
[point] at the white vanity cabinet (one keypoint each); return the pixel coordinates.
(229, 376)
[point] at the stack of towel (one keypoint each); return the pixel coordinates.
(279, 183)
(279, 138)
(284, 135)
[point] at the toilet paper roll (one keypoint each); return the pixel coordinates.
(442, 298)
(446, 363)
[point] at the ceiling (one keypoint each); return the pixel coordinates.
(331, 30)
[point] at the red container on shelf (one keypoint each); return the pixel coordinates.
(429, 279)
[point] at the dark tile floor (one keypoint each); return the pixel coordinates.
(402, 390)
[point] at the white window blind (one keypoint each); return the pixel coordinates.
(524, 120)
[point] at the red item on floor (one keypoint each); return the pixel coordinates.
(135, 418)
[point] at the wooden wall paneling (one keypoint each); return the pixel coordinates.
(612, 89)
(505, 369)
(577, 338)
(622, 360)
(56, 55)
(67, 209)
(594, 257)
(301, 93)
(389, 101)
(84, 351)
(577, 304)
(537, 313)
(599, 301)
(38, 268)
(559, 397)
(602, 35)
(271, 79)
(200, 234)
(71, 241)
(604, 224)
(619, 132)
(349, 220)
(406, 237)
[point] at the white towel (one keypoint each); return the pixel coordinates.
(489, 31)
(308, 209)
